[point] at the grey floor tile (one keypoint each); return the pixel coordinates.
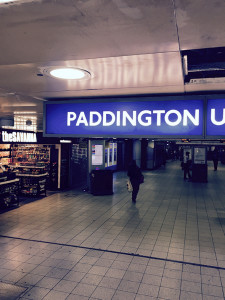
(103, 293)
(206, 297)
(65, 286)
(173, 266)
(193, 277)
(172, 273)
(133, 276)
(152, 279)
(75, 276)
(4, 272)
(110, 282)
(36, 293)
(13, 276)
(120, 265)
(154, 270)
(83, 289)
(30, 280)
(210, 271)
(56, 295)
(211, 280)
(143, 297)
(98, 270)
(172, 221)
(186, 295)
(80, 267)
(91, 279)
(104, 262)
(189, 286)
(57, 273)
(78, 297)
(47, 282)
(170, 294)
(137, 267)
(121, 295)
(191, 269)
(128, 286)
(148, 290)
(171, 283)
(115, 273)
(212, 290)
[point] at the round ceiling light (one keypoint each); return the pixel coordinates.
(68, 73)
(6, 1)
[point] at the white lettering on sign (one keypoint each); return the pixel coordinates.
(71, 116)
(112, 116)
(19, 137)
(213, 117)
(99, 118)
(148, 119)
(194, 120)
(158, 113)
(123, 118)
(131, 119)
(173, 123)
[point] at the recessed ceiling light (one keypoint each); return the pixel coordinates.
(65, 73)
(7, 1)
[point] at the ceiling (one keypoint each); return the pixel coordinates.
(129, 47)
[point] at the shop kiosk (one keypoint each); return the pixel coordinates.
(199, 166)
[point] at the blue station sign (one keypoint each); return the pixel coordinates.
(215, 117)
(126, 119)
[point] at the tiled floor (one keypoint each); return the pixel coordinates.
(73, 245)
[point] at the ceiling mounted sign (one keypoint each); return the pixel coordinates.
(215, 117)
(126, 119)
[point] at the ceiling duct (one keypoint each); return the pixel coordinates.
(204, 65)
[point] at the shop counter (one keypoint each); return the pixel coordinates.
(32, 184)
(9, 192)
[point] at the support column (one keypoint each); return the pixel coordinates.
(137, 152)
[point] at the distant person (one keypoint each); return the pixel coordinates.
(134, 172)
(164, 158)
(187, 166)
(215, 159)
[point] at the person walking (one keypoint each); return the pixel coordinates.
(135, 175)
(215, 159)
(186, 166)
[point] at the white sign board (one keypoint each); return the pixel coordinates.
(199, 155)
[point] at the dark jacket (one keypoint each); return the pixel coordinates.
(134, 172)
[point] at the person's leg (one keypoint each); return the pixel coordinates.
(185, 171)
(134, 195)
(135, 186)
(216, 165)
(189, 174)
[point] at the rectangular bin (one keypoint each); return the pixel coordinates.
(101, 182)
(199, 173)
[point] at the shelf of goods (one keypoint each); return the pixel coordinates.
(31, 155)
(35, 155)
(32, 180)
(5, 154)
(9, 192)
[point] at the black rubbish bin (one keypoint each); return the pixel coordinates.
(101, 182)
(199, 173)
